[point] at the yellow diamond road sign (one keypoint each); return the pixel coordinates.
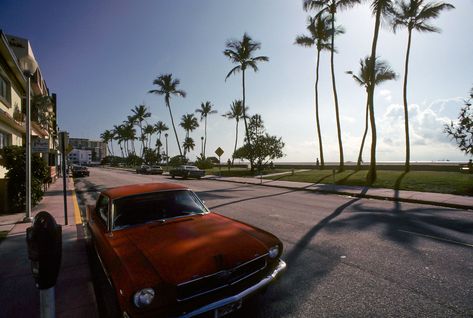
(219, 152)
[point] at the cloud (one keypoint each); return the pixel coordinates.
(426, 124)
(386, 94)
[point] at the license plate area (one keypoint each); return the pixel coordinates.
(227, 309)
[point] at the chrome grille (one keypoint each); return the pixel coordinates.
(204, 285)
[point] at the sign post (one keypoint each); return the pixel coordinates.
(63, 142)
(219, 152)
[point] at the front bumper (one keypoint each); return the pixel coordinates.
(220, 303)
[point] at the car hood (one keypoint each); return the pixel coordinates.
(187, 248)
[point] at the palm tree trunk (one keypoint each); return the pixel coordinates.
(246, 124)
(371, 177)
(358, 162)
(321, 150)
(406, 109)
(236, 141)
(205, 138)
(174, 127)
(335, 96)
(111, 148)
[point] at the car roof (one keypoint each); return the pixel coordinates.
(134, 189)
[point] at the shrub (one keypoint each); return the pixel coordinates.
(178, 160)
(14, 160)
(204, 163)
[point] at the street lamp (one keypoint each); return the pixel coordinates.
(167, 154)
(28, 65)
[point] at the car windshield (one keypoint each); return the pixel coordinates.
(149, 207)
(191, 168)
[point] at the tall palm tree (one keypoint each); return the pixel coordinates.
(107, 137)
(319, 35)
(160, 127)
(148, 132)
(130, 132)
(380, 9)
(383, 72)
(188, 145)
(331, 7)
(167, 86)
(205, 110)
(119, 137)
(414, 15)
(241, 53)
(189, 123)
(140, 113)
(236, 112)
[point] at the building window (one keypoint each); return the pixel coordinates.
(5, 89)
(4, 139)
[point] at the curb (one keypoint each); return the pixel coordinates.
(468, 208)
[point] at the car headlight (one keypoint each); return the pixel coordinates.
(144, 297)
(273, 251)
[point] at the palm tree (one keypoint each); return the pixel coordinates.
(189, 123)
(205, 110)
(130, 132)
(107, 137)
(380, 9)
(188, 145)
(148, 132)
(414, 15)
(241, 53)
(167, 86)
(119, 137)
(236, 112)
(331, 7)
(160, 127)
(383, 72)
(140, 113)
(320, 31)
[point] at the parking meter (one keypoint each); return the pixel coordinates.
(44, 240)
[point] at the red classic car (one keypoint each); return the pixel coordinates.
(167, 255)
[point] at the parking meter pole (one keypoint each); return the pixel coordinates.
(47, 303)
(64, 190)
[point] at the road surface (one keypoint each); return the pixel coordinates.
(346, 257)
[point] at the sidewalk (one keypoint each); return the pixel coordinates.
(438, 199)
(74, 289)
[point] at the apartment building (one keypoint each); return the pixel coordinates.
(13, 88)
(98, 149)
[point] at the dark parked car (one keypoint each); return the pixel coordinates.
(80, 171)
(145, 169)
(167, 255)
(187, 172)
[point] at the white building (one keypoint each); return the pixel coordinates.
(80, 156)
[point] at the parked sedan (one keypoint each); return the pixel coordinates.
(187, 172)
(80, 171)
(167, 255)
(145, 169)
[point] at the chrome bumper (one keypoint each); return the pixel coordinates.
(220, 303)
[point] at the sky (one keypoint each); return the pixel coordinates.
(101, 57)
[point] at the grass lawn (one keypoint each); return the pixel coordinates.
(428, 181)
(3, 235)
(240, 172)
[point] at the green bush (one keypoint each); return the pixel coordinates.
(133, 160)
(204, 163)
(177, 161)
(14, 160)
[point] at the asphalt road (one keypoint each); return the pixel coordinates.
(347, 257)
